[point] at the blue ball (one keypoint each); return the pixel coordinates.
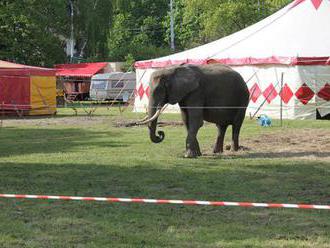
(264, 121)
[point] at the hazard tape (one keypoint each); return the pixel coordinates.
(180, 202)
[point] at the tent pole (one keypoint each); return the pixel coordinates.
(281, 111)
(172, 26)
(72, 31)
(2, 113)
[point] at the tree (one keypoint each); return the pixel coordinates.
(92, 20)
(30, 31)
(202, 21)
(138, 30)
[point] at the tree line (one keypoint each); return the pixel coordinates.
(36, 32)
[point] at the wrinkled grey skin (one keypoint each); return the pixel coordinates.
(199, 91)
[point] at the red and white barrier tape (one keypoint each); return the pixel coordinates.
(180, 202)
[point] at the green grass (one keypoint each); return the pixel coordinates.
(85, 156)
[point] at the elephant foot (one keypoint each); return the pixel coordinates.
(217, 150)
(233, 149)
(192, 154)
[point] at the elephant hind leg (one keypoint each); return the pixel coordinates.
(235, 138)
(218, 147)
(185, 120)
(236, 131)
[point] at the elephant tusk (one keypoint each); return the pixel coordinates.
(155, 116)
(151, 119)
(144, 119)
(163, 108)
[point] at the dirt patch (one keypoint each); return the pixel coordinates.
(132, 123)
(55, 121)
(78, 121)
(305, 144)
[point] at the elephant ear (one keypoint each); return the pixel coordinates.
(185, 80)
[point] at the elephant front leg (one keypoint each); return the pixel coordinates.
(192, 145)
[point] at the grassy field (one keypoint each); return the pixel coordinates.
(78, 155)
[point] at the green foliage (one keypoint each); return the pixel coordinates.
(277, 4)
(30, 31)
(92, 20)
(129, 63)
(138, 30)
(228, 18)
(219, 18)
(187, 26)
(202, 21)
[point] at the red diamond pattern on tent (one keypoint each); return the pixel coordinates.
(140, 91)
(286, 94)
(316, 3)
(148, 91)
(325, 92)
(255, 92)
(270, 93)
(304, 94)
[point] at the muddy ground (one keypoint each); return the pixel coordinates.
(302, 144)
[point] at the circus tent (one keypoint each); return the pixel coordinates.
(284, 59)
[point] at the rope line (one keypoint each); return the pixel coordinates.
(162, 201)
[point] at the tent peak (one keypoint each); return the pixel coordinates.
(316, 3)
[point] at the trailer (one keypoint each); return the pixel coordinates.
(117, 86)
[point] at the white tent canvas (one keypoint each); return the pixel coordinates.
(284, 59)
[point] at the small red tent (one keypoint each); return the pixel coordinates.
(27, 89)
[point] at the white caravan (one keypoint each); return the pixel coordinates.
(113, 86)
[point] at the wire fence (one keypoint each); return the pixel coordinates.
(90, 107)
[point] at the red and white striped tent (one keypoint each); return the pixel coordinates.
(293, 43)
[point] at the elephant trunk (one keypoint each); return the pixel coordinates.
(152, 125)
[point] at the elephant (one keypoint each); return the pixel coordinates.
(214, 93)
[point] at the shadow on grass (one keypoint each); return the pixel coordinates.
(287, 154)
(265, 182)
(306, 182)
(20, 141)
